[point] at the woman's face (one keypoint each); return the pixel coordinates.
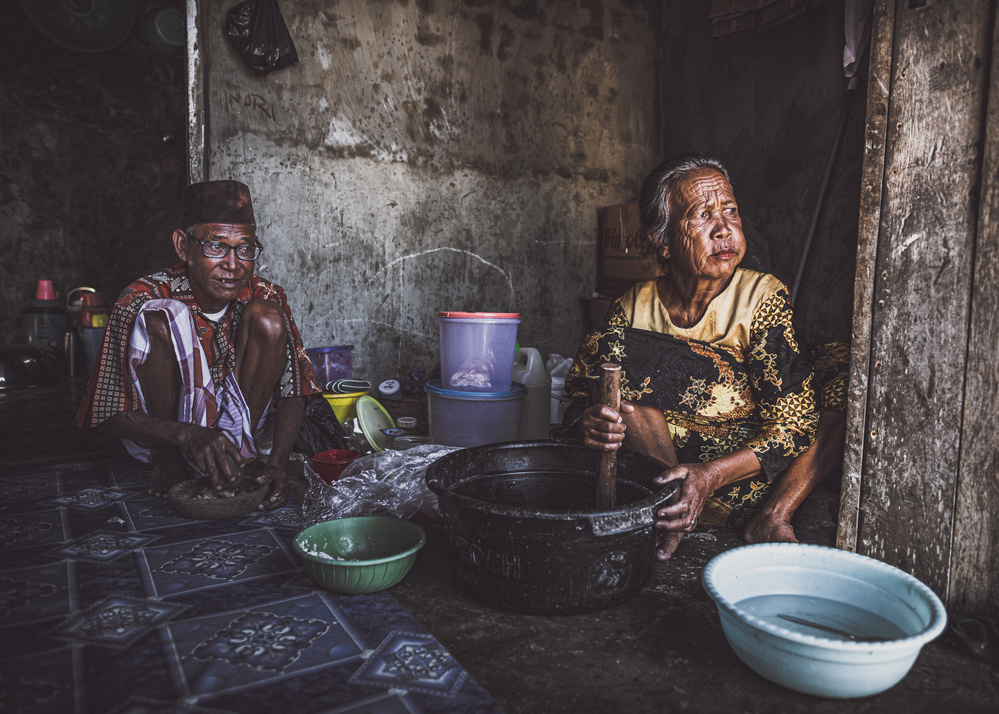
(707, 239)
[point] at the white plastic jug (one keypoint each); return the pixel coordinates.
(529, 370)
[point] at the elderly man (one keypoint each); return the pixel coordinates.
(195, 356)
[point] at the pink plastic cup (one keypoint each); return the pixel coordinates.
(45, 291)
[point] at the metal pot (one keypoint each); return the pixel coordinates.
(524, 533)
(23, 367)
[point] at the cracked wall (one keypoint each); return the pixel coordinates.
(425, 156)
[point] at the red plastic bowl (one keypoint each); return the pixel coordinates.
(328, 465)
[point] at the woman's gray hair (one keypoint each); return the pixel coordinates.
(659, 190)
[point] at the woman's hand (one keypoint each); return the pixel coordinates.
(603, 428)
(698, 481)
(680, 516)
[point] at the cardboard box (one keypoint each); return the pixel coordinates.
(621, 262)
(596, 311)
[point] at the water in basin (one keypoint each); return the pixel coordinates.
(835, 614)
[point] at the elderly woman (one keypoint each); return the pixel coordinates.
(715, 382)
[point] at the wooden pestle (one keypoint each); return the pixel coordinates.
(610, 394)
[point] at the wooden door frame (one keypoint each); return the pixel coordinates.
(939, 520)
(872, 181)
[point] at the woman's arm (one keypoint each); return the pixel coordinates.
(698, 481)
(781, 370)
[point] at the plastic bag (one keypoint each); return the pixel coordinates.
(386, 483)
(257, 31)
(320, 430)
(558, 366)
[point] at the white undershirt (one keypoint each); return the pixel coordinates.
(215, 316)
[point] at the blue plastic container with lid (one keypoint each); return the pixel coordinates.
(477, 350)
(331, 363)
(460, 418)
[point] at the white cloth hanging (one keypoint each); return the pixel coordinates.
(856, 29)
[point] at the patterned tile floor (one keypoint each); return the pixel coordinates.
(66, 550)
(111, 602)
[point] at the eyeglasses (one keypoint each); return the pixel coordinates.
(218, 249)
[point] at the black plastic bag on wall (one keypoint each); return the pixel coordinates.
(259, 34)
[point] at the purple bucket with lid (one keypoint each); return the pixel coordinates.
(478, 350)
(331, 363)
(459, 418)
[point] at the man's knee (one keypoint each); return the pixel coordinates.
(159, 372)
(264, 320)
(158, 331)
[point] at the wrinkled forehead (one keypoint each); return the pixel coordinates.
(224, 232)
(704, 186)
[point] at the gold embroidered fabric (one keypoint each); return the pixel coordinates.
(739, 377)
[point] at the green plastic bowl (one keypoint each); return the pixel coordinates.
(359, 555)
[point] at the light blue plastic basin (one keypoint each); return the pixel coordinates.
(754, 584)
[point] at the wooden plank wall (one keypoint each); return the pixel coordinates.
(975, 561)
(917, 460)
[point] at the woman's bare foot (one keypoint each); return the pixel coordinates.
(168, 471)
(767, 527)
(667, 544)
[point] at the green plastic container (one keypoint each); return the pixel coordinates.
(359, 555)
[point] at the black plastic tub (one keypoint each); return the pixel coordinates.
(524, 532)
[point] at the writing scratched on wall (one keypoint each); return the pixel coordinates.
(253, 102)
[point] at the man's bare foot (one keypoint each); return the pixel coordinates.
(254, 468)
(766, 527)
(168, 471)
(667, 544)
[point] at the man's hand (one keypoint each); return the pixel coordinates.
(287, 420)
(212, 452)
(277, 477)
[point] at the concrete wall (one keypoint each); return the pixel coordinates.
(428, 155)
(424, 156)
